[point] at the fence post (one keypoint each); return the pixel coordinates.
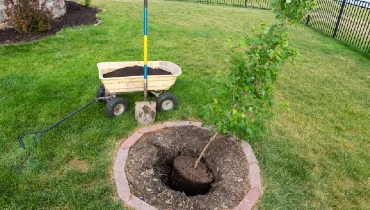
(308, 19)
(339, 17)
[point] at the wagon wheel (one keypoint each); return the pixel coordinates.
(100, 92)
(166, 102)
(116, 107)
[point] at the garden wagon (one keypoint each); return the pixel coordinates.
(158, 85)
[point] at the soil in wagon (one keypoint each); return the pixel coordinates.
(150, 160)
(135, 71)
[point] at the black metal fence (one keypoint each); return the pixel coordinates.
(345, 20)
(261, 4)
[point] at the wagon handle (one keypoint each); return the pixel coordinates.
(40, 132)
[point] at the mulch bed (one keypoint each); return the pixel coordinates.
(135, 71)
(76, 15)
(149, 161)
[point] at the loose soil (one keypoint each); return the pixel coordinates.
(135, 71)
(149, 165)
(76, 15)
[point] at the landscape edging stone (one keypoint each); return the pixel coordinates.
(123, 189)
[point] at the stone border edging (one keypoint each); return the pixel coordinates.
(123, 189)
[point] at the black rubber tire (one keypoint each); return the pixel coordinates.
(166, 102)
(116, 107)
(100, 92)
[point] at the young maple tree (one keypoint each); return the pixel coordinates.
(243, 98)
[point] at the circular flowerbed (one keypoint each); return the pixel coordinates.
(149, 164)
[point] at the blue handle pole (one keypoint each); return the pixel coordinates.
(145, 47)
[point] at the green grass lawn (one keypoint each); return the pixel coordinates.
(315, 156)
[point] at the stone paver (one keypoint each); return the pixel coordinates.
(249, 153)
(123, 190)
(198, 124)
(249, 200)
(139, 204)
(131, 140)
(151, 128)
(255, 176)
(183, 123)
(177, 124)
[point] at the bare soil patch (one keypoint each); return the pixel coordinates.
(76, 15)
(150, 160)
(135, 71)
(78, 164)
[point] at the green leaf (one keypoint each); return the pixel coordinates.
(249, 130)
(234, 112)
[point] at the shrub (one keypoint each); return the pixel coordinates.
(28, 15)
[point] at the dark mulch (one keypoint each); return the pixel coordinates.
(135, 71)
(76, 15)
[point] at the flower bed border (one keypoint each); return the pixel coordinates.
(123, 189)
